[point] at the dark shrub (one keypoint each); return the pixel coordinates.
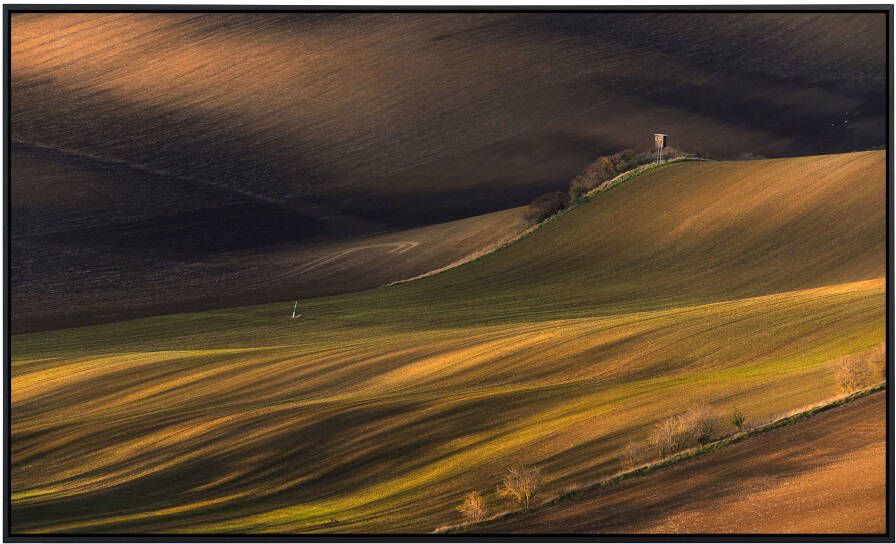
(545, 206)
(604, 169)
(577, 189)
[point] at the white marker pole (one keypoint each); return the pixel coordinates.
(294, 306)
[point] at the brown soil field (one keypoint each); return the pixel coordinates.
(823, 475)
(430, 117)
(151, 149)
(90, 245)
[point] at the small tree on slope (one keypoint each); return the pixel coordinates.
(520, 485)
(473, 508)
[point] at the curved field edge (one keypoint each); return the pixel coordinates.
(651, 468)
(100, 251)
(377, 411)
(588, 197)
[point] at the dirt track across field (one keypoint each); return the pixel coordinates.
(824, 475)
(397, 249)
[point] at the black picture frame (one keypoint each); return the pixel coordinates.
(10, 9)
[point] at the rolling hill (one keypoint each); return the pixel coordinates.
(427, 116)
(731, 283)
(86, 249)
(273, 130)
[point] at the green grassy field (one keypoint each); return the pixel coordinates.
(734, 283)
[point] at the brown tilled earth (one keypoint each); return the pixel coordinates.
(162, 161)
(824, 475)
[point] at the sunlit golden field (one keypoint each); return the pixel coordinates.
(734, 283)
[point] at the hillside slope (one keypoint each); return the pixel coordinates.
(683, 234)
(151, 146)
(436, 116)
(820, 476)
(84, 239)
(736, 284)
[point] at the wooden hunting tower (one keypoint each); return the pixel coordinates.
(660, 141)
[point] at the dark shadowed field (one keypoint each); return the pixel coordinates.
(91, 250)
(164, 161)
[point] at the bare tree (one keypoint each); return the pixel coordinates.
(520, 485)
(700, 423)
(473, 508)
(738, 419)
(666, 437)
(696, 426)
(879, 360)
(633, 455)
(853, 372)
